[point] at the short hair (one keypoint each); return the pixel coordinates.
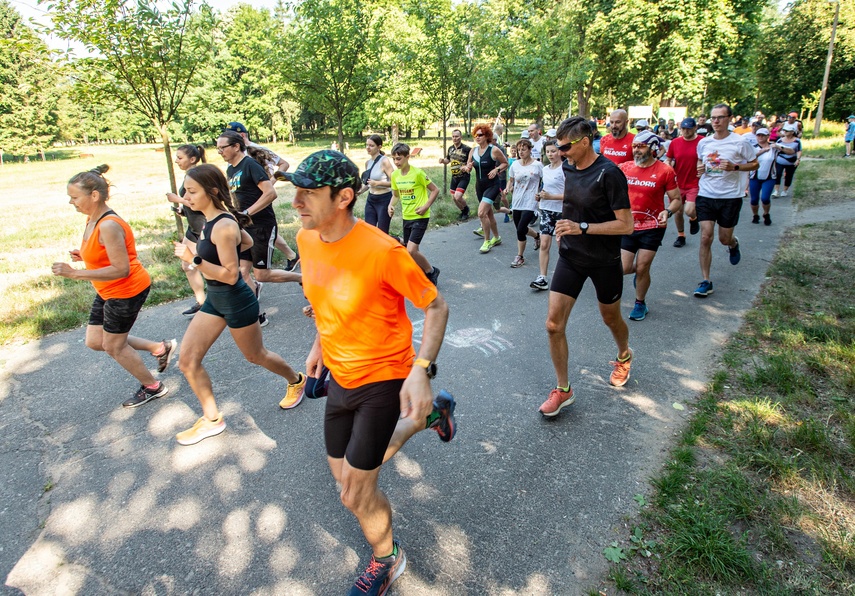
(723, 106)
(574, 126)
(234, 138)
(524, 142)
(401, 149)
(485, 130)
(456, 130)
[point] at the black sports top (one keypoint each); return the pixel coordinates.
(207, 250)
(484, 164)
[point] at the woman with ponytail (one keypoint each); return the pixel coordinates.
(121, 285)
(229, 302)
(186, 157)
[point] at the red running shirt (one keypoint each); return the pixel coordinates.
(618, 151)
(647, 188)
(685, 156)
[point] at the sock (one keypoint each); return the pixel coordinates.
(393, 554)
(564, 389)
(681, 234)
(627, 359)
(637, 301)
(432, 417)
(153, 386)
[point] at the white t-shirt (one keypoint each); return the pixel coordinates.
(537, 147)
(553, 183)
(716, 183)
(526, 183)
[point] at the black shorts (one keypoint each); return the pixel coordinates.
(414, 230)
(359, 423)
(725, 212)
(488, 191)
(643, 239)
(117, 315)
(568, 278)
(548, 219)
(236, 304)
(459, 183)
(261, 251)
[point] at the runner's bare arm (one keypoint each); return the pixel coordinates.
(267, 197)
(112, 237)
(416, 394)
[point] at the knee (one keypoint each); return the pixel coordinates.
(706, 238)
(256, 356)
(112, 348)
(351, 497)
(412, 248)
(94, 344)
(642, 269)
(613, 319)
(554, 328)
(261, 275)
(188, 362)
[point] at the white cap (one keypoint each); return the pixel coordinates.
(789, 127)
(551, 132)
(762, 131)
(642, 124)
(730, 127)
(525, 135)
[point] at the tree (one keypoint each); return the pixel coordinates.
(143, 57)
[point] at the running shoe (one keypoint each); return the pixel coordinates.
(495, 241)
(767, 220)
(262, 319)
(192, 310)
(164, 357)
(380, 574)
(639, 311)
(539, 283)
(557, 399)
(680, 242)
(464, 215)
(433, 276)
(291, 264)
(485, 248)
(537, 242)
(735, 255)
(479, 232)
(776, 194)
(784, 193)
(445, 426)
(144, 395)
(507, 217)
(258, 286)
(294, 394)
(694, 226)
(704, 289)
(620, 374)
(518, 261)
(755, 219)
(200, 431)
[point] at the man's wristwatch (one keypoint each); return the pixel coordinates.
(584, 227)
(736, 166)
(430, 367)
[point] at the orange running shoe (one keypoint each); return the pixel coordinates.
(620, 375)
(557, 399)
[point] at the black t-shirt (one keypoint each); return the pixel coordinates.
(593, 195)
(457, 157)
(244, 179)
(705, 129)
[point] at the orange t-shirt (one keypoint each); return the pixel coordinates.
(357, 287)
(94, 256)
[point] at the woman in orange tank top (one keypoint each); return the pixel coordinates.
(121, 285)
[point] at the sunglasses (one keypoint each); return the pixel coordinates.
(639, 145)
(569, 145)
(479, 134)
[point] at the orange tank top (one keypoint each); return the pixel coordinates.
(94, 256)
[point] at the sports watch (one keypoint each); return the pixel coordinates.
(584, 227)
(197, 260)
(430, 367)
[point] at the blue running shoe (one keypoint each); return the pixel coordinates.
(639, 311)
(380, 574)
(704, 289)
(735, 255)
(445, 426)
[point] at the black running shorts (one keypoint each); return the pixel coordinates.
(724, 212)
(261, 251)
(569, 278)
(117, 315)
(414, 230)
(643, 239)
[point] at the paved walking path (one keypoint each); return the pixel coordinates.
(101, 500)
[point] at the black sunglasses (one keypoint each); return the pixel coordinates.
(569, 145)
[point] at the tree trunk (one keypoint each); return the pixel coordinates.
(167, 151)
(445, 117)
(394, 134)
(341, 133)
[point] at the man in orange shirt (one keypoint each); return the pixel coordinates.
(617, 145)
(356, 278)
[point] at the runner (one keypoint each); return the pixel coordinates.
(762, 181)
(849, 135)
(121, 284)
(724, 160)
(230, 302)
(648, 180)
(458, 155)
(704, 127)
(617, 145)
(254, 194)
(489, 162)
(378, 396)
(410, 185)
(376, 180)
(186, 157)
(550, 203)
(788, 159)
(536, 139)
(596, 214)
(525, 176)
(683, 157)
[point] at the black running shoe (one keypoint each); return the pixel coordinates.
(445, 426)
(680, 242)
(144, 395)
(734, 252)
(163, 359)
(262, 319)
(433, 276)
(464, 215)
(258, 286)
(694, 226)
(291, 264)
(192, 310)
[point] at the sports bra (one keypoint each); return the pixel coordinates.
(207, 250)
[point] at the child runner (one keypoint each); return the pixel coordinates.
(525, 176)
(551, 202)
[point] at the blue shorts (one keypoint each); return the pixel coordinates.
(236, 304)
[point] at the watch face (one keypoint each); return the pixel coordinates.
(431, 370)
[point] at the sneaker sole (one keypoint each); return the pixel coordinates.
(641, 318)
(157, 395)
(296, 403)
(569, 402)
(533, 286)
(445, 401)
(170, 352)
(398, 571)
(206, 435)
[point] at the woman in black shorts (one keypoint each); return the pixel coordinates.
(230, 302)
(121, 285)
(376, 180)
(186, 157)
(489, 162)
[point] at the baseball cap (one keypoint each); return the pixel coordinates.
(762, 131)
(237, 127)
(648, 138)
(756, 123)
(789, 127)
(642, 124)
(323, 168)
(551, 132)
(525, 135)
(688, 123)
(793, 114)
(851, 117)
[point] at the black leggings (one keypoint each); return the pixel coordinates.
(377, 211)
(787, 173)
(522, 219)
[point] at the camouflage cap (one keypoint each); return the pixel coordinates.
(324, 168)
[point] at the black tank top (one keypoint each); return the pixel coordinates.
(207, 250)
(484, 164)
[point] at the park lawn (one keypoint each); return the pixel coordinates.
(39, 227)
(758, 496)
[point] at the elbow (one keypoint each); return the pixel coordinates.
(123, 272)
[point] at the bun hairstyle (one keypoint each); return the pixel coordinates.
(92, 180)
(196, 152)
(212, 179)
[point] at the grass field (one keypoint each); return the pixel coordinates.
(39, 228)
(758, 496)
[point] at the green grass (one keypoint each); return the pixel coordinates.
(759, 495)
(39, 227)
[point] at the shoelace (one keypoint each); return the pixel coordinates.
(370, 574)
(621, 367)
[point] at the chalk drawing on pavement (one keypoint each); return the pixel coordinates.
(485, 340)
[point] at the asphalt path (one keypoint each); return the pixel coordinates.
(97, 499)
